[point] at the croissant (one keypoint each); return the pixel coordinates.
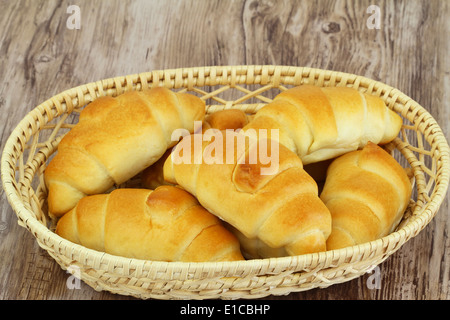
(322, 123)
(115, 139)
(367, 192)
(272, 203)
(166, 224)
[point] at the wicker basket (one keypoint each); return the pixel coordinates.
(421, 145)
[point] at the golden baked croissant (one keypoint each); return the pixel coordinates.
(115, 139)
(323, 123)
(166, 224)
(275, 205)
(367, 192)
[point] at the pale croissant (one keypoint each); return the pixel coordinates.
(166, 224)
(115, 139)
(367, 192)
(322, 123)
(278, 208)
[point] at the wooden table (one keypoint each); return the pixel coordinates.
(45, 51)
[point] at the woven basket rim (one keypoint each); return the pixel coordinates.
(178, 81)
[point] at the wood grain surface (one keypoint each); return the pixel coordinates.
(42, 55)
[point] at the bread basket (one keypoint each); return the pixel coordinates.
(421, 146)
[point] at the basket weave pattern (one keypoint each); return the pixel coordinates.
(421, 146)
